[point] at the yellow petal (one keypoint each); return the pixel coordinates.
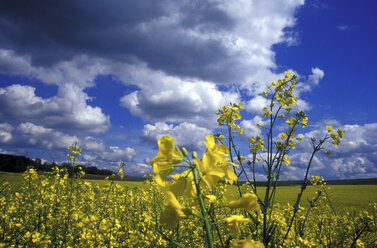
(283, 136)
(329, 128)
(246, 243)
(233, 221)
(248, 201)
(287, 75)
(290, 121)
(173, 211)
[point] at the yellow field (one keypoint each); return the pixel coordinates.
(56, 211)
(342, 196)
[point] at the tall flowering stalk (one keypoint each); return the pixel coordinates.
(273, 150)
(74, 152)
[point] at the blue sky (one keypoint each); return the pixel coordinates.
(116, 76)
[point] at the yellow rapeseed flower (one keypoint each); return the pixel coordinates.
(304, 121)
(293, 100)
(209, 199)
(245, 243)
(120, 172)
(173, 211)
(168, 155)
(212, 147)
(286, 160)
(283, 135)
(341, 133)
(183, 184)
(329, 128)
(267, 112)
(290, 121)
(248, 201)
(287, 75)
(233, 222)
(210, 173)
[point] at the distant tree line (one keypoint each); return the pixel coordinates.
(13, 163)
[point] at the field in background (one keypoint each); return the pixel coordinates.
(343, 197)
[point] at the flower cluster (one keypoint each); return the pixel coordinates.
(335, 136)
(229, 114)
(74, 151)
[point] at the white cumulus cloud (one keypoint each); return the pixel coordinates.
(5, 132)
(67, 110)
(115, 153)
(185, 134)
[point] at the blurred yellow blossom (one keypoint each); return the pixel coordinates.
(248, 201)
(233, 222)
(173, 211)
(246, 243)
(168, 155)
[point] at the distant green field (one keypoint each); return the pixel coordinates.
(15, 179)
(343, 197)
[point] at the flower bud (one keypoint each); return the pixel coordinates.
(184, 152)
(194, 155)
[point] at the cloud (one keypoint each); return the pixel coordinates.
(7, 152)
(47, 138)
(355, 157)
(80, 70)
(354, 167)
(185, 134)
(67, 110)
(319, 5)
(316, 76)
(115, 153)
(39, 137)
(292, 38)
(174, 52)
(361, 139)
(95, 152)
(5, 132)
(89, 158)
(139, 169)
(342, 27)
(250, 126)
(211, 41)
(171, 99)
(256, 104)
(311, 82)
(92, 144)
(178, 54)
(346, 27)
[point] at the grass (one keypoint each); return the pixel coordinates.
(343, 197)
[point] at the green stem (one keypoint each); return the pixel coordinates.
(304, 183)
(207, 225)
